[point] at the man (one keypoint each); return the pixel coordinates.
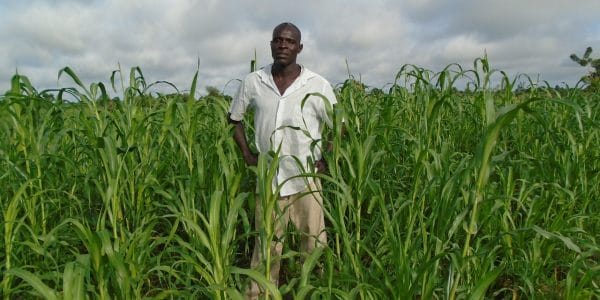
(289, 113)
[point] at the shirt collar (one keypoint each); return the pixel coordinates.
(266, 76)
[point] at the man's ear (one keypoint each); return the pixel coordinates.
(300, 48)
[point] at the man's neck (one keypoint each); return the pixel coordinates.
(284, 76)
(288, 71)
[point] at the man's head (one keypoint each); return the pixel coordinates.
(286, 44)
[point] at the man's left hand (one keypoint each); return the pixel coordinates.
(321, 165)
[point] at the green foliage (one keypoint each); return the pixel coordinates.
(593, 78)
(431, 192)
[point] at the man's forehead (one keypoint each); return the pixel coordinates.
(286, 29)
(285, 32)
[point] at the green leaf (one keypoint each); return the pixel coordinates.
(73, 76)
(309, 265)
(566, 240)
(35, 282)
(483, 284)
(260, 279)
(74, 277)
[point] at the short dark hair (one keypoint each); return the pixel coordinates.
(290, 26)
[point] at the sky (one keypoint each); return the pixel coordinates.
(367, 40)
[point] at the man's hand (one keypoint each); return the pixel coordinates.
(251, 159)
(239, 135)
(321, 165)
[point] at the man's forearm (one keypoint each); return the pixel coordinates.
(239, 136)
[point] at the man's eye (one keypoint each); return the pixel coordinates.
(279, 41)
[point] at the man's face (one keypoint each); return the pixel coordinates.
(285, 46)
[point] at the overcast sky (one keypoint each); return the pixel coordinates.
(374, 38)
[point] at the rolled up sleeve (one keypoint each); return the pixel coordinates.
(239, 105)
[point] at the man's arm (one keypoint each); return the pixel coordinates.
(321, 164)
(239, 135)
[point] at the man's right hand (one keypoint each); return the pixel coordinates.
(239, 135)
(251, 159)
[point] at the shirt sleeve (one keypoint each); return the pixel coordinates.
(239, 104)
(328, 105)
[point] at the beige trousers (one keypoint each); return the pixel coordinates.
(305, 211)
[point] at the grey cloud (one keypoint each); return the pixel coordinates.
(499, 19)
(167, 38)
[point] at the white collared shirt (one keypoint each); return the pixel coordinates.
(287, 121)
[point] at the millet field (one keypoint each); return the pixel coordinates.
(117, 191)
